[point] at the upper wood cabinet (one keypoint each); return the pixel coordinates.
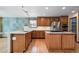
(64, 19)
(64, 23)
(46, 21)
(54, 18)
(43, 21)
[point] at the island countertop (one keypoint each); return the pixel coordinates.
(49, 32)
(19, 32)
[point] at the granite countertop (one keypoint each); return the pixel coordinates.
(49, 32)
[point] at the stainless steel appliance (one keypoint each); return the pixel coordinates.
(55, 26)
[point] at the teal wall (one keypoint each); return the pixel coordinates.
(15, 23)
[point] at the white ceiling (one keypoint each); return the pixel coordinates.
(16, 11)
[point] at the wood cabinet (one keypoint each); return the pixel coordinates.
(27, 39)
(20, 42)
(36, 34)
(68, 41)
(64, 19)
(43, 21)
(53, 19)
(60, 41)
(64, 23)
(46, 21)
(17, 43)
(53, 41)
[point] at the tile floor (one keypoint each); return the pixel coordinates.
(3, 45)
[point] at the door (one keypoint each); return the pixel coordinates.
(68, 41)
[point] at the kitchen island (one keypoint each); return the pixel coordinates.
(54, 40)
(20, 41)
(60, 40)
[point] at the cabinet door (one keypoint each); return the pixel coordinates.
(38, 34)
(43, 21)
(18, 43)
(33, 34)
(56, 42)
(64, 19)
(64, 23)
(54, 18)
(42, 34)
(53, 41)
(68, 41)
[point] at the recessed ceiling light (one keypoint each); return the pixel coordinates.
(73, 11)
(63, 8)
(46, 8)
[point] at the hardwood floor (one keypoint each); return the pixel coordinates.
(77, 48)
(39, 46)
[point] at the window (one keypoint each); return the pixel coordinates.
(33, 23)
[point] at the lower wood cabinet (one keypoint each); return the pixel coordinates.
(17, 43)
(68, 41)
(38, 34)
(60, 41)
(53, 41)
(27, 39)
(20, 42)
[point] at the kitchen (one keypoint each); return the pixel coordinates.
(55, 30)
